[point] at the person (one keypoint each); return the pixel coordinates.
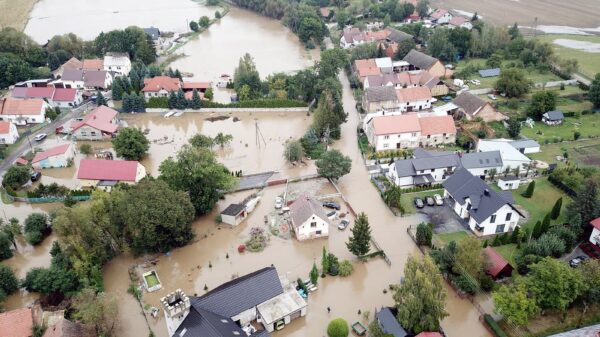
(328, 310)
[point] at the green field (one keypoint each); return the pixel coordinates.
(575, 150)
(587, 125)
(456, 237)
(509, 252)
(569, 100)
(589, 63)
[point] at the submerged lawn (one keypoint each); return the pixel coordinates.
(151, 280)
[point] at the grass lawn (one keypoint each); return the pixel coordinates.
(540, 204)
(587, 125)
(589, 63)
(456, 237)
(408, 199)
(151, 280)
(509, 252)
(573, 148)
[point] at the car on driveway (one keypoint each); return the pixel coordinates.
(343, 224)
(35, 176)
(40, 137)
(576, 261)
(331, 215)
(419, 203)
(492, 97)
(438, 199)
(278, 202)
(332, 205)
(429, 200)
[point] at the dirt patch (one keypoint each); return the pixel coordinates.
(15, 13)
(588, 47)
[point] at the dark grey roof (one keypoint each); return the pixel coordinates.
(389, 324)
(468, 102)
(484, 200)
(404, 168)
(153, 32)
(72, 75)
(419, 152)
(233, 209)
(509, 178)
(481, 159)
(489, 72)
(524, 143)
(423, 179)
(381, 94)
(555, 115)
(398, 35)
(203, 323)
(435, 162)
(382, 80)
(240, 294)
(420, 60)
(261, 333)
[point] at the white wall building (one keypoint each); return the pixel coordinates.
(8, 133)
(118, 63)
(511, 157)
(308, 218)
(23, 111)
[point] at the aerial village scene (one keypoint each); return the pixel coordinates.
(226, 168)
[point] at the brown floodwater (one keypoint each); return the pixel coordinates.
(87, 18)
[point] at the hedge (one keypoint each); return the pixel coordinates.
(496, 329)
(158, 103)
(258, 103)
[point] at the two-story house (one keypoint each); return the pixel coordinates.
(425, 168)
(160, 86)
(23, 111)
(487, 211)
(380, 98)
(308, 218)
(414, 99)
(100, 124)
(118, 63)
(511, 156)
(8, 133)
(440, 16)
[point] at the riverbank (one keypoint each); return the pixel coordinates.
(15, 13)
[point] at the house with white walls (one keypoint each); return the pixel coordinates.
(595, 237)
(118, 63)
(308, 218)
(57, 156)
(8, 133)
(23, 111)
(511, 156)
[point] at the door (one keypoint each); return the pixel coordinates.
(295, 315)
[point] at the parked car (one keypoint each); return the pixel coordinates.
(278, 202)
(343, 224)
(40, 137)
(492, 97)
(332, 205)
(35, 175)
(447, 98)
(576, 261)
(476, 82)
(438, 199)
(429, 200)
(419, 203)
(331, 215)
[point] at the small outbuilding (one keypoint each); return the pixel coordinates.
(553, 117)
(494, 72)
(234, 214)
(509, 183)
(595, 237)
(58, 156)
(498, 267)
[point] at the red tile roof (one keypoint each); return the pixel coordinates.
(100, 119)
(4, 127)
(64, 95)
(429, 334)
(596, 223)
(93, 64)
(439, 13)
(366, 67)
(159, 83)
(497, 262)
(437, 125)
(29, 107)
(413, 94)
(458, 20)
(386, 125)
(41, 92)
(16, 323)
(196, 85)
(117, 170)
(55, 151)
(21, 161)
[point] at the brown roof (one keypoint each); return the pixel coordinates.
(413, 94)
(29, 107)
(391, 125)
(303, 208)
(470, 103)
(380, 94)
(420, 60)
(439, 13)
(4, 127)
(66, 328)
(17, 323)
(324, 12)
(366, 67)
(158, 83)
(382, 80)
(437, 125)
(93, 64)
(95, 78)
(72, 64)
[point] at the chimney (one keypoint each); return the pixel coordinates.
(486, 192)
(176, 306)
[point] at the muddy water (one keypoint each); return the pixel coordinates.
(87, 18)
(244, 153)
(218, 50)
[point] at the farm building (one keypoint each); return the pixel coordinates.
(472, 107)
(58, 156)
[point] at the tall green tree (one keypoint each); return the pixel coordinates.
(5, 247)
(200, 140)
(530, 190)
(293, 151)
(404, 47)
(324, 262)
(97, 309)
(314, 274)
(131, 144)
(196, 101)
(586, 205)
(332, 61)
(8, 281)
(423, 8)
(513, 83)
(246, 74)
(554, 284)
(594, 92)
(590, 270)
(333, 165)
(197, 172)
(420, 298)
(37, 227)
(514, 127)
(470, 260)
(222, 139)
(541, 102)
(15, 177)
(393, 197)
(514, 303)
(100, 100)
(360, 240)
(424, 234)
(555, 213)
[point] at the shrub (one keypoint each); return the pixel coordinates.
(85, 149)
(346, 268)
(549, 244)
(555, 213)
(15, 177)
(494, 326)
(258, 103)
(466, 284)
(158, 103)
(424, 234)
(487, 283)
(36, 228)
(576, 135)
(524, 261)
(530, 189)
(338, 328)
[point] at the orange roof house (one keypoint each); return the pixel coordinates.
(160, 83)
(17, 323)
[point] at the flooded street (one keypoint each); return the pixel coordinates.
(87, 18)
(218, 50)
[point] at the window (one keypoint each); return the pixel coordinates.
(428, 136)
(386, 137)
(444, 134)
(385, 146)
(500, 228)
(313, 224)
(493, 218)
(468, 206)
(318, 232)
(414, 134)
(93, 133)
(508, 216)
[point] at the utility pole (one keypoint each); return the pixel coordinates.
(259, 135)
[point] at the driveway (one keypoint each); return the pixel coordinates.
(444, 219)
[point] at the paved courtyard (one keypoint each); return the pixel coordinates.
(444, 219)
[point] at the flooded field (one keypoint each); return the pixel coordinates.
(218, 50)
(576, 13)
(87, 18)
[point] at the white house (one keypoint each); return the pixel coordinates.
(58, 156)
(160, 86)
(487, 211)
(71, 78)
(234, 214)
(441, 16)
(66, 98)
(482, 164)
(511, 157)
(308, 218)
(23, 111)
(509, 183)
(119, 63)
(426, 168)
(8, 133)
(100, 124)
(595, 237)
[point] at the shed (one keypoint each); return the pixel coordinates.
(234, 214)
(386, 318)
(494, 72)
(595, 236)
(498, 266)
(555, 117)
(509, 183)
